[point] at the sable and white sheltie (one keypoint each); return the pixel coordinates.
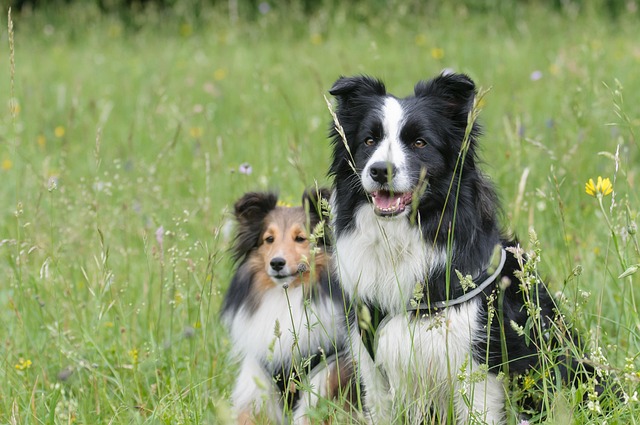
(284, 313)
(416, 229)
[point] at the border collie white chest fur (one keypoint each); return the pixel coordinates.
(412, 209)
(284, 314)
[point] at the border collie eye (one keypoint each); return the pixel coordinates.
(269, 239)
(419, 143)
(369, 141)
(300, 239)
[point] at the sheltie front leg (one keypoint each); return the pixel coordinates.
(254, 394)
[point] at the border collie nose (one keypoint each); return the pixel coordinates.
(278, 263)
(379, 172)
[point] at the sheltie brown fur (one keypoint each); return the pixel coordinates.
(286, 225)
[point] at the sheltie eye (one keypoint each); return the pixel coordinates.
(269, 239)
(369, 141)
(300, 239)
(419, 143)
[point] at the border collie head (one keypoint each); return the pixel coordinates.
(411, 159)
(273, 239)
(400, 153)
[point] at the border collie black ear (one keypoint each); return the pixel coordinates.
(346, 88)
(250, 211)
(455, 91)
(354, 96)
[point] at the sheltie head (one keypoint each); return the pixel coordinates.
(274, 240)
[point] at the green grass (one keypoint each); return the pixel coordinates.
(110, 133)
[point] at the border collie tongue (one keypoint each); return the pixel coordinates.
(386, 203)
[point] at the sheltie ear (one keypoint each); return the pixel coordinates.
(250, 211)
(315, 201)
(455, 91)
(348, 88)
(312, 200)
(254, 206)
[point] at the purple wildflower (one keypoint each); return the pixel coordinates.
(264, 7)
(160, 236)
(536, 75)
(245, 168)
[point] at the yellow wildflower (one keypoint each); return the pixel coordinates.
(316, 39)
(186, 30)
(220, 74)
(114, 31)
(134, 355)
(528, 382)
(15, 108)
(23, 364)
(437, 53)
(59, 131)
(7, 164)
(195, 132)
(602, 188)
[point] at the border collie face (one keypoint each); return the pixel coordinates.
(402, 149)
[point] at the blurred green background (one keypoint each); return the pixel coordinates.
(129, 128)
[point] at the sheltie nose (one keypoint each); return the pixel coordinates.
(277, 263)
(382, 172)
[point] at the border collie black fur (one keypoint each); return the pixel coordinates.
(284, 313)
(413, 213)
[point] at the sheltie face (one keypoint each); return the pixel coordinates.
(284, 313)
(284, 252)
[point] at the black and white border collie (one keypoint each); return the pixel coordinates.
(284, 314)
(417, 242)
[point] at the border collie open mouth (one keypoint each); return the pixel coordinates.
(389, 204)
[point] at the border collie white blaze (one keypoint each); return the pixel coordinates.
(284, 314)
(385, 176)
(412, 214)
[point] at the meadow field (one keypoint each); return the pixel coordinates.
(125, 142)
